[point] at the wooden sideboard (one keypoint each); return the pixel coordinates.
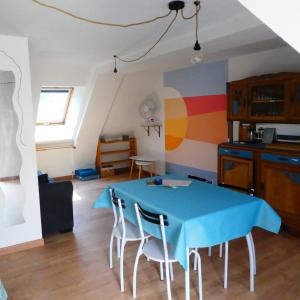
(273, 171)
(268, 98)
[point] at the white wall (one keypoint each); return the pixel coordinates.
(17, 50)
(273, 61)
(103, 95)
(281, 16)
(53, 72)
(56, 162)
(124, 116)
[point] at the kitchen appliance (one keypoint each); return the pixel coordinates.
(251, 135)
(269, 135)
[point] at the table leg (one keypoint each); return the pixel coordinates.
(140, 171)
(251, 262)
(187, 275)
(253, 252)
(131, 169)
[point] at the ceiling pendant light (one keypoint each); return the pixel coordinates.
(115, 74)
(174, 8)
(197, 55)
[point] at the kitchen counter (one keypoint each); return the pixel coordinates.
(277, 146)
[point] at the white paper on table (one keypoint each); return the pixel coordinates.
(175, 182)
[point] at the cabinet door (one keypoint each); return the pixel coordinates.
(281, 188)
(268, 100)
(237, 109)
(236, 171)
(294, 105)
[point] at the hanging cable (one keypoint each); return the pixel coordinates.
(63, 11)
(160, 38)
(198, 8)
(197, 46)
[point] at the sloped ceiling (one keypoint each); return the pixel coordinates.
(61, 40)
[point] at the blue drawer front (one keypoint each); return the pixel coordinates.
(281, 159)
(235, 152)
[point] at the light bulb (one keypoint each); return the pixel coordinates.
(197, 57)
(115, 74)
(115, 77)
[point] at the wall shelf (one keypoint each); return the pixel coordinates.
(115, 152)
(156, 127)
(112, 162)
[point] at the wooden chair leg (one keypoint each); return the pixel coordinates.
(131, 169)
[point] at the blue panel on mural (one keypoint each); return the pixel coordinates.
(183, 170)
(199, 80)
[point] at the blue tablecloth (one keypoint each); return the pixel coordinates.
(3, 294)
(200, 215)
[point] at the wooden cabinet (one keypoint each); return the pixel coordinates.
(266, 98)
(294, 105)
(281, 189)
(274, 174)
(237, 101)
(236, 171)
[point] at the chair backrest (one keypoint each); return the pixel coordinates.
(118, 205)
(201, 179)
(154, 218)
(239, 189)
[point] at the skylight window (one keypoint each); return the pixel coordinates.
(53, 105)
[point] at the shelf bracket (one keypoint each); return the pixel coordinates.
(155, 127)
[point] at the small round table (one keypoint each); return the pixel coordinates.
(141, 161)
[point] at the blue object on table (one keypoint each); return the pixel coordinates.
(200, 215)
(3, 294)
(157, 181)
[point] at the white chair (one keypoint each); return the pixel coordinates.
(158, 250)
(250, 243)
(123, 232)
(209, 249)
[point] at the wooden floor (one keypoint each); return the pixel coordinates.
(75, 265)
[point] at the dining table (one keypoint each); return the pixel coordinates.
(200, 214)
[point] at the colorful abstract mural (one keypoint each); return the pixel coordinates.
(195, 122)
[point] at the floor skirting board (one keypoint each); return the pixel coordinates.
(21, 247)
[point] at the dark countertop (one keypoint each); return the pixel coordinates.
(290, 147)
(249, 145)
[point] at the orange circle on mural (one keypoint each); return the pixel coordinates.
(176, 123)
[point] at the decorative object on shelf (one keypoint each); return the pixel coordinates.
(174, 7)
(153, 120)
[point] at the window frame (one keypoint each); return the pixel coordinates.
(70, 95)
